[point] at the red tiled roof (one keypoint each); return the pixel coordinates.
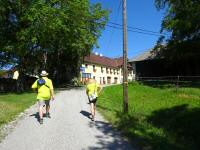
(105, 61)
(102, 60)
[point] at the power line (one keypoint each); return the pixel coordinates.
(135, 28)
(141, 32)
(130, 29)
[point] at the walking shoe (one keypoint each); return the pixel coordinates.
(48, 115)
(41, 121)
(92, 118)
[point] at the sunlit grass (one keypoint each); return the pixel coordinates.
(158, 119)
(13, 104)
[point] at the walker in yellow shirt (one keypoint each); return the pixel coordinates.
(93, 88)
(44, 91)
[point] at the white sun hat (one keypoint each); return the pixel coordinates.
(44, 73)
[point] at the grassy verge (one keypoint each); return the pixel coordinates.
(158, 118)
(13, 104)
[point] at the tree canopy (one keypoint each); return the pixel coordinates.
(55, 34)
(182, 20)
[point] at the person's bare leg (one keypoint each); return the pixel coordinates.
(47, 109)
(92, 110)
(41, 114)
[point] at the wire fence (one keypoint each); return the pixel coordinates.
(177, 81)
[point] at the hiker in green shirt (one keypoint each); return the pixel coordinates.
(45, 92)
(92, 90)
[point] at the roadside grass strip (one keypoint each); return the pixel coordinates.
(158, 118)
(12, 105)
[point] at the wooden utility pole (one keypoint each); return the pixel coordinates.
(125, 51)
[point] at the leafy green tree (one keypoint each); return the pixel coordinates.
(182, 20)
(51, 34)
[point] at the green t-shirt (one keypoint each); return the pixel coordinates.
(44, 92)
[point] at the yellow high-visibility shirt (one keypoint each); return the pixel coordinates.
(93, 88)
(44, 92)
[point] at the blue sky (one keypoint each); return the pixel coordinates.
(141, 14)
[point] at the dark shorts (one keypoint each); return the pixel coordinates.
(93, 101)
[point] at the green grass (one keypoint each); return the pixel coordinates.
(158, 118)
(13, 104)
(1, 72)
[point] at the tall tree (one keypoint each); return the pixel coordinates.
(182, 20)
(61, 31)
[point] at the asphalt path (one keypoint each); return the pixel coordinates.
(69, 128)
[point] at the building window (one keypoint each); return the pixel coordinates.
(115, 80)
(108, 80)
(93, 77)
(107, 70)
(94, 69)
(101, 69)
(110, 71)
(104, 81)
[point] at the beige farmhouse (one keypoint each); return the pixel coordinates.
(104, 70)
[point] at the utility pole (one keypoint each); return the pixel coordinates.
(125, 51)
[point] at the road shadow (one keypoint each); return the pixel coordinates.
(85, 113)
(111, 139)
(36, 115)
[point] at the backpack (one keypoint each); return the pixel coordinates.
(41, 82)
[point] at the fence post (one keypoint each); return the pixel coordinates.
(177, 83)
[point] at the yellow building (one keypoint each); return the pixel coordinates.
(104, 70)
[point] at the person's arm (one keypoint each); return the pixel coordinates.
(99, 88)
(52, 94)
(51, 90)
(34, 86)
(87, 91)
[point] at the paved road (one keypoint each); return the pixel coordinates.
(69, 128)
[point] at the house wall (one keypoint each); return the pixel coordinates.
(103, 74)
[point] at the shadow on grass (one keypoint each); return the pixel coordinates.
(177, 128)
(140, 134)
(181, 123)
(110, 139)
